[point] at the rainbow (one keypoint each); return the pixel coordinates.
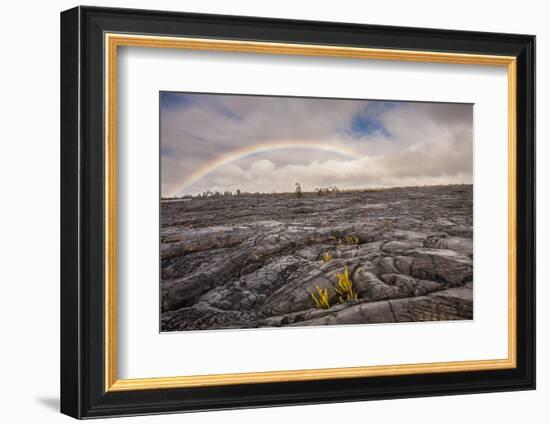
(236, 155)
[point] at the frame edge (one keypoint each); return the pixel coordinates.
(526, 181)
(70, 349)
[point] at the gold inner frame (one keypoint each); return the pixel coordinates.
(113, 41)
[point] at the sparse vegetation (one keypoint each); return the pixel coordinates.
(298, 190)
(326, 190)
(346, 240)
(326, 258)
(344, 288)
(321, 299)
(255, 260)
(351, 240)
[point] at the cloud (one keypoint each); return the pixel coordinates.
(397, 143)
(440, 164)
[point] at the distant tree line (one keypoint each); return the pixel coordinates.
(298, 192)
(326, 190)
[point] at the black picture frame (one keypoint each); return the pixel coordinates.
(83, 392)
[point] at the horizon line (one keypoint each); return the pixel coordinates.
(323, 188)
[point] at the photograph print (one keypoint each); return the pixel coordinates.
(293, 211)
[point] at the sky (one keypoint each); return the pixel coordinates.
(215, 142)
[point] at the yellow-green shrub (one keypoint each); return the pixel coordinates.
(347, 239)
(321, 298)
(352, 240)
(326, 258)
(344, 288)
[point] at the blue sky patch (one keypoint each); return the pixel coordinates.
(368, 126)
(368, 120)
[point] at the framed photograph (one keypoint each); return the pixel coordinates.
(261, 212)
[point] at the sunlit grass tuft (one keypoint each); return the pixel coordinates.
(326, 258)
(321, 298)
(346, 240)
(344, 288)
(351, 240)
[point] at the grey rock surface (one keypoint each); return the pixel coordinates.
(254, 260)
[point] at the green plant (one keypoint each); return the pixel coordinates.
(321, 298)
(344, 287)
